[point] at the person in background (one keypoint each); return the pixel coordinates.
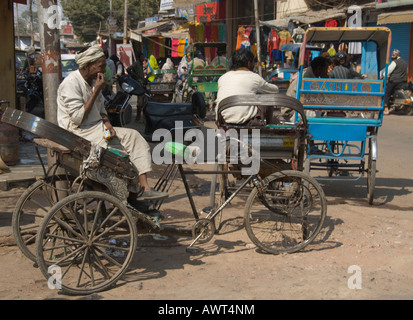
(340, 71)
(220, 59)
(318, 69)
(120, 69)
(240, 81)
(168, 65)
(110, 63)
(396, 74)
(81, 111)
(151, 65)
(136, 72)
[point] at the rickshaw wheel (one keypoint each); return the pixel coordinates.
(289, 214)
(33, 206)
(371, 175)
(89, 240)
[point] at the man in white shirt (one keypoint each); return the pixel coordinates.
(81, 111)
(242, 81)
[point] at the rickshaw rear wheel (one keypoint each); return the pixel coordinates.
(89, 239)
(288, 214)
(33, 206)
(371, 174)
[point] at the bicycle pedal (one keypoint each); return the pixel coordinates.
(206, 210)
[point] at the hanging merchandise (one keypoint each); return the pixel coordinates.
(273, 41)
(175, 44)
(254, 50)
(181, 47)
(291, 26)
(192, 32)
(240, 37)
(285, 37)
(222, 32)
(200, 32)
(298, 35)
(332, 51)
(243, 40)
(331, 23)
(215, 33)
(151, 48)
(156, 47)
(207, 32)
(161, 48)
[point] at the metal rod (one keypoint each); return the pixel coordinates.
(257, 25)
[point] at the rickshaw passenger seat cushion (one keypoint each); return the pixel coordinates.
(168, 109)
(175, 148)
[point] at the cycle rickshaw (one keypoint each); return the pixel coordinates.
(86, 232)
(344, 115)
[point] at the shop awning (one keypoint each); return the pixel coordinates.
(309, 17)
(395, 17)
(151, 26)
(170, 28)
(186, 3)
(312, 17)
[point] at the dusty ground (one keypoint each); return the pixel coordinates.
(376, 239)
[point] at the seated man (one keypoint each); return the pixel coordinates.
(241, 81)
(81, 110)
(396, 75)
(317, 69)
(340, 71)
(220, 59)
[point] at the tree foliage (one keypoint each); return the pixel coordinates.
(89, 16)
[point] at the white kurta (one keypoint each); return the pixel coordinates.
(72, 95)
(241, 82)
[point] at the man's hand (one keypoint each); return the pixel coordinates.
(108, 125)
(100, 81)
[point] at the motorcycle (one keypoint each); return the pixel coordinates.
(35, 93)
(156, 115)
(30, 86)
(117, 105)
(401, 100)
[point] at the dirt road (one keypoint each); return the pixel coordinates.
(364, 252)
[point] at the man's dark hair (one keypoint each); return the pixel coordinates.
(319, 62)
(241, 58)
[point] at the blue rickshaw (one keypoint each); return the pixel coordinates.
(344, 115)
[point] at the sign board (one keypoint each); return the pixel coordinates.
(392, 3)
(151, 20)
(210, 11)
(67, 29)
(185, 12)
(124, 53)
(166, 5)
(112, 26)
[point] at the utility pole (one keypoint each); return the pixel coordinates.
(51, 61)
(257, 25)
(125, 23)
(109, 29)
(31, 23)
